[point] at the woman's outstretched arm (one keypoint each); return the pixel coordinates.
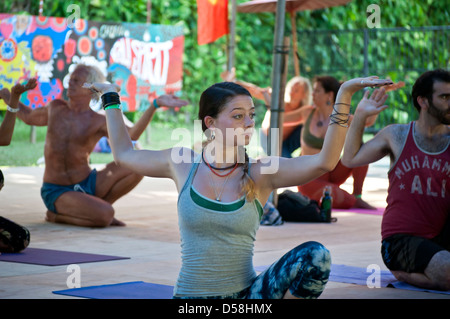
(143, 162)
(300, 170)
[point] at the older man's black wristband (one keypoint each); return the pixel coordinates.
(110, 98)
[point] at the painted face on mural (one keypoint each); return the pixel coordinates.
(42, 48)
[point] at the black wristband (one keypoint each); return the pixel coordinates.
(110, 98)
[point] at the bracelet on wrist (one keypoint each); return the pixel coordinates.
(12, 110)
(339, 118)
(339, 121)
(110, 98)
(113, 106)
(342, 103)
(155, 104)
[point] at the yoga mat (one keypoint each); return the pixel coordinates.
(260, 268)
(127, 290)
(360, 276)
(379, 211)
(48, 257)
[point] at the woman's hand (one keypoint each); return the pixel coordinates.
(354, 85)
(170, 101)
(101, 88)
(395, 86)
(229, 76)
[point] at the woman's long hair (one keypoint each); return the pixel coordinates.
(212, 102)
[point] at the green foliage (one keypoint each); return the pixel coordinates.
(400, 49)
(23, 153)
(254, 47)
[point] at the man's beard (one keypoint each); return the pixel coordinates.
(440, 115)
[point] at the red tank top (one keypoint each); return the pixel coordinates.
(418, 201)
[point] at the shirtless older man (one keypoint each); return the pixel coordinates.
(73, 192)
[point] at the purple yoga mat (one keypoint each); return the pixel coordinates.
(360, 276)
(127, 290)
(49, 257)
(379, 211)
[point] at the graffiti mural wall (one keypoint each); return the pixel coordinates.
(144, 60)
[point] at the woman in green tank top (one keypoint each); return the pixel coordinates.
(222, 175)
(325, 89)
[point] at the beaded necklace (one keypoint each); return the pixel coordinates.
(212, 168)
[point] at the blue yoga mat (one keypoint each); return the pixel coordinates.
(127, 290)
(143, 290)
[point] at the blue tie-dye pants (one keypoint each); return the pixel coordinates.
(303, 270)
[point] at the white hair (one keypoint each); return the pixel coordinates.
(307, 100)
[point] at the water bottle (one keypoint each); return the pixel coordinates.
(326, 203)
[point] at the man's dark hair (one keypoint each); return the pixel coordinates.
(424, 85)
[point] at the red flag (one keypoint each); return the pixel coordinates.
(212, 21)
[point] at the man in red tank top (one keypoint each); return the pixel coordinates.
(416, 223)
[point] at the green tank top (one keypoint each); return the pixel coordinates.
(217, 242)
(308, 138)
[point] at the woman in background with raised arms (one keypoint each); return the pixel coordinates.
(221, 193)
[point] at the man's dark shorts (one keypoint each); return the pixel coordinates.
(412, 254)
(50, 192)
